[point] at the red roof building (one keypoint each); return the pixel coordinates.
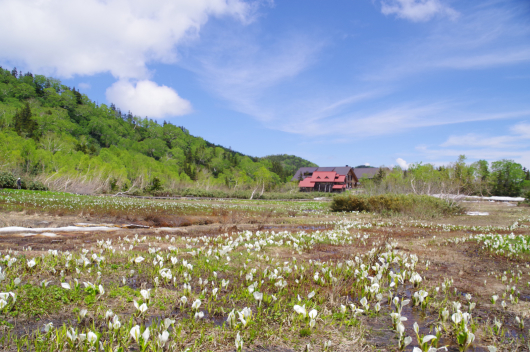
(326, 179)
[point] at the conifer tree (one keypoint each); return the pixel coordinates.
(25, 126)
(78, 97)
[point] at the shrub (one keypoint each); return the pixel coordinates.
(36, 186)
(7, 180)
(418, 206)
(156, 185)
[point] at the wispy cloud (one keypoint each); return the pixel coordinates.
(515, 145)
(271, 81)
(487, 35)
(393, 120)
(248, 74)
(519, 137)
(417, 10)
(476, 140)
(513, 56)
(443, 156)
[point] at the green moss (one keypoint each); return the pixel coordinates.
(35, 300)
(124, 291)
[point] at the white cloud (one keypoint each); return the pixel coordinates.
(272, 82)
(484, 36)
(417, 10)
(518, 138)
(388, 120)
(245, 73)
(515, 145)
(481, 61)
(146, 98)
(521, 156)
(402, 163)
(521, 129)
(85, 37)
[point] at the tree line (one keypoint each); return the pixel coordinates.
(498, 178)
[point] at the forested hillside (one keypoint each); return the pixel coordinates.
(287, 165)
(57, 135)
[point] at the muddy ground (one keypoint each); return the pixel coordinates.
(466, 263)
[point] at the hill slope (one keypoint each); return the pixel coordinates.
(56, 134)
(287, 165)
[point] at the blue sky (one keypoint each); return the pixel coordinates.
(338, 82)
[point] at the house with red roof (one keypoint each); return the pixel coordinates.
(326, 179)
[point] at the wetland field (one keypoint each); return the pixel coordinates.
(85, 273)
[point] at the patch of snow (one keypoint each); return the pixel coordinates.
(16, 229)
(477, 213)
(48, 234)
(499, 199)
(450, 196)
(491, 199)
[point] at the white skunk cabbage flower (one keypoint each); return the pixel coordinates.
(168, 322)
(196, 305)
(135, 332)
(72, 335)
(162, 338)
(92, 338)
(82, 313)
(145, 294)
(239, 342)
(141, 308)
(48, 327)
(313, 313)
(300, 310)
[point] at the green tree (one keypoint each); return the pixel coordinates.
(25, 125)
(507, 178)
(23, 91)
(482, 170)
(379, 177)
(277, 168)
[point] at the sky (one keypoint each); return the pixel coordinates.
(337, 82)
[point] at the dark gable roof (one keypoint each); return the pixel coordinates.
(368, 172)
(303, 170)
(342, 170)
